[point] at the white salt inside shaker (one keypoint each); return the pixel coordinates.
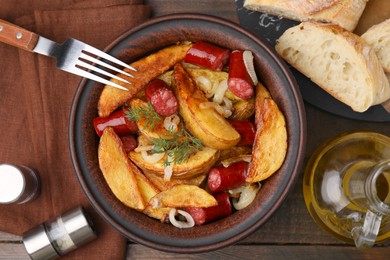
(18, 184)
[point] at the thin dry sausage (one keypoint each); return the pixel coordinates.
(205, 215)
(207, 55)
(239, 81)
(118, 121)
(223, 179)
(161, 97)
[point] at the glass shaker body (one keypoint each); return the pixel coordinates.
(18, 184)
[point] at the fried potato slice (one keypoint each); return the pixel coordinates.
(270, 145)
(243, 109)
(147, 68)
(206, 124)
(118, 171)
(197, 164)
(234, 152)
(145, 129)
(147, 188)
(261, 94)
(162, 184)
(183, 195)
(206, 79)
(161, 214)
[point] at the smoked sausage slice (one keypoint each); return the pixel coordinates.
(161, 97)
(205, 215)
(223, 179)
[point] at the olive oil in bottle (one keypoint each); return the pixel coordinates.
(347, 187)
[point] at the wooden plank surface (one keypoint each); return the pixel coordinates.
(222, 8)
(15, 251)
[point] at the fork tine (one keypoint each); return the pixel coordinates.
(97, 61)
(86, 74)
(96, 69)
(106, 56)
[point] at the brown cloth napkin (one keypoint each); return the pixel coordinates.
(35, 101)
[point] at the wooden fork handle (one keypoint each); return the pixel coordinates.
(17, 36)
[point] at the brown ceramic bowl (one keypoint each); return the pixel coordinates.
(272, 71)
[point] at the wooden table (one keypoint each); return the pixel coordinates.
(290, 233)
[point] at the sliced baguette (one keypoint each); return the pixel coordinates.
(345, 13)
(338, 61)
(378, 36)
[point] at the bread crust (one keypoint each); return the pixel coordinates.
(378, 36)
(338, 61)
(345, 13)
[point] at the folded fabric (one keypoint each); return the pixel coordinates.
(35, 101)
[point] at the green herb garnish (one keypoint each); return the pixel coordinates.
(179, 146)
(137, 113)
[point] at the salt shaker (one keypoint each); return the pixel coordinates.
(60, 235)
(18, 184)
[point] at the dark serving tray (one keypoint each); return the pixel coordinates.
(271, 28)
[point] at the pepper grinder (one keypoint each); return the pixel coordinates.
(60, 235)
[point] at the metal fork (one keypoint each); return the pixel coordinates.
(72, 56)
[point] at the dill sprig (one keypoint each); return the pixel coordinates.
(180, 146)
(148, 113)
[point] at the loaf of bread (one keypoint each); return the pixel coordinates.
(378, 36)
(338, 61)
(345, 13)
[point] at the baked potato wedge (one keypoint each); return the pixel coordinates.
(147, 68)
(261, 94)
(197, 164)
(145, 129)
(161, 214)
(243, 109)
(234, 152)
(206, 79)
(147, 188)
(205, 124)
(162, 184)
(270, 145)
(118, 171)
(210, 78)
(183, 195)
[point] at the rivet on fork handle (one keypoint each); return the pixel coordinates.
(17, 36)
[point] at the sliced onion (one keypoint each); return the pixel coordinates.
(237, 190)
(217, 107)
(171, 123)
(168, 170)
(247, 56)
(155, 203)
(245, 157)
(248, 194)
(227, 103)
(214, 88)
(189, 223)
(220, 91)
(220, 109)
(141, 148)
(152, 157)
(205, 84)
(227, 113)
(227, 106)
